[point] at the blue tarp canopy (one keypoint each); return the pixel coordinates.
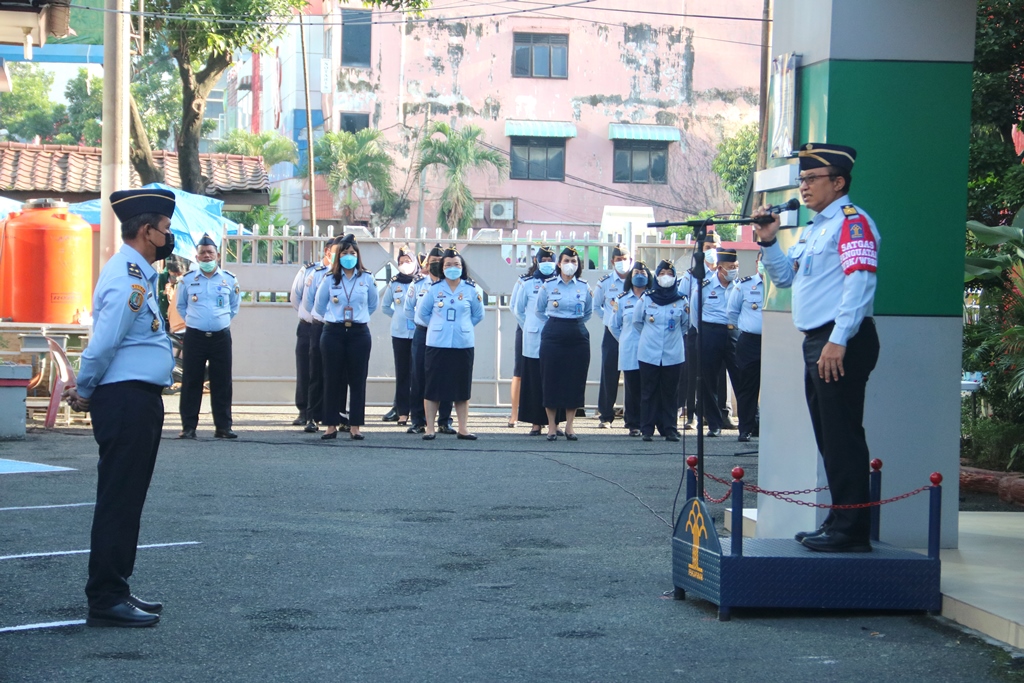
(194, 216)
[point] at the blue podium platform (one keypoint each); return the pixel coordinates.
(782, 573)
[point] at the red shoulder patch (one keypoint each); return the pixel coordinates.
(858, 249)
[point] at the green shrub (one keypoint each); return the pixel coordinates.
(991, 444)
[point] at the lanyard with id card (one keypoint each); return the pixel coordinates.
(346, 313)
(451, 313)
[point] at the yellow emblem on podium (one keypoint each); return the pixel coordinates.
(696, 526)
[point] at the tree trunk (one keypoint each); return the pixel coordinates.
(141, 152)
(195, 89)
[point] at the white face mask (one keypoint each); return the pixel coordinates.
(568, 269)
(711, 257)
(731, 275)
(666, 280)
(407, 268)
(623, 267)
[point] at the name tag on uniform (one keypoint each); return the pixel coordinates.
(346, 314)
(579, 309)
(671, 324)
(451, 315)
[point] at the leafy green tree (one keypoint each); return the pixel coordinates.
(457, 153)
(736, 161)
(85, 109)
(348, 159)
(27, 110)
(271, 145)
(727, 233)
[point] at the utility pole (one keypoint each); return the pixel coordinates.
(423, 177)
(309, 125)
(114, 158)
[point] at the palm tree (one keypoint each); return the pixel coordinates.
(271, 145)
(457, 152)
(349, 158)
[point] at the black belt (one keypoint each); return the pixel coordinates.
(707, 324)
(208, 334)
(138, 384)
(345, 325)
(827, 327)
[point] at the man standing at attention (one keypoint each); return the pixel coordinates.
(124, 370)
(832, 273)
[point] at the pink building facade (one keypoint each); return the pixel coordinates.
(595, 104)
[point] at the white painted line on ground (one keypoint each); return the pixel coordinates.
(86, 551)
(48, 624)
(20, 466)
(47, 507)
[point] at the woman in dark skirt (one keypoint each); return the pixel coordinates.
(566, 304)
(452, 307)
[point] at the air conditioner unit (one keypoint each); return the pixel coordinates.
(478, 211)
(503, 210)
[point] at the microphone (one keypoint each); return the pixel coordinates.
(791, 205)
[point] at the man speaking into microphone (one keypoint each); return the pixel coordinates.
(831, 270)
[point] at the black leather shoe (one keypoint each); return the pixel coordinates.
(187, 434)
(560, 432)
(837, 542)
(328, 435)
(446, 430)
(429, 437)
(466, 437)
(571, 437)
(299, 421)
(714, 433)
(648, 437)
(145, 605)
(311, 428)
(356, 437)
(124, 615)
(416, 429)
(688, 424)
(728, 424)
(534, 432)
(392, 416)
(743, 438)
(672, 437)
(552, 437)
(225, 434)
(801, 535)
(634, 432)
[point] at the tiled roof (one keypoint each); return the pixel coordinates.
(76, 170)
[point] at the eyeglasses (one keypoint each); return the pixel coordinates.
(808, 179)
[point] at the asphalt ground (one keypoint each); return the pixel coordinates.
(394, 559)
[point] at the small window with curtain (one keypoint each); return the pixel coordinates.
(641, 162)
(538, 159)
(353, 123)
(355, 38)
(540, 55)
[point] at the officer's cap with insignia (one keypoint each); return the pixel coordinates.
(438, 250)
(544, 251)
(726, 255)
(627, 284)
(819, 155)
(130, 203)
(668, 265)
(206, 241)
(619, 250)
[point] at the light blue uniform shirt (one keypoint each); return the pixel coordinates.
(625, 332)
(393, 306)
(525, 310)
(209, 303)
(607, 290)
(128, 339)
(715, 300)
(746, 300)
(412, 302)
(822, 291)
(451, 315)
(559, 299)
(661, 331)
(358, 293)
(313, 281)
(299, 289)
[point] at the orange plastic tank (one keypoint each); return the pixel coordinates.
(45, 264)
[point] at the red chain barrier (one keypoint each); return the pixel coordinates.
(717, 500)
(785, 495)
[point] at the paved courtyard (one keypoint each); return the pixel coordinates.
(394, 559)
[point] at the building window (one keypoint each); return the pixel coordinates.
(538, 159)
(354, 123)
(355, 38)
(540, 55)
(641, 161)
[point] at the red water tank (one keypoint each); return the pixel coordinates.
(45, 264)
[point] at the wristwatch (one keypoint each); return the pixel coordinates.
(769, 242)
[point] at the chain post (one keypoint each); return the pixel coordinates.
(737, 511)
(934, 515)
(875, 495)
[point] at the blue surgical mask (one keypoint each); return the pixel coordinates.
(639, 280)
(546, 267)
(760, 269)
(207, 266)
(348, 261)
(453, 273)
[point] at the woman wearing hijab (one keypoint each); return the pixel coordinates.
(346, 299)
(565, 303)
(402, 330)
(661, 318)
(516, 386)
(433, 266)
(452, 307)
(637, 282)
(524, 307)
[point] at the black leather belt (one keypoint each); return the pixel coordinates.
(209, 334)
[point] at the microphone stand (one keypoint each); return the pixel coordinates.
(700, 235)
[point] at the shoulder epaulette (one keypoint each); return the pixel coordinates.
(394, 279)
(605, 277)
(706, 282)
(307, 264)
(469, 281)
(320, 266)
(850, 210)
(229, 273)
(581, 280)
(526, 276)
(417, 277)
(435, 284)
(623, 294)
(744, 279)
(134, 270)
